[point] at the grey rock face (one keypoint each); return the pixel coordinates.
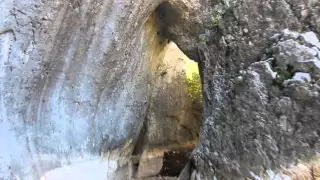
(242, 130)
(75, 78)
(74, 81)
(275, 114)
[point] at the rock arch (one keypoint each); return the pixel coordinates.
(75, 76)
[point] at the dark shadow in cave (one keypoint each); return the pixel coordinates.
(168, 17)
(174, 161)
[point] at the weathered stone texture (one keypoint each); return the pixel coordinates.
(74, 81)
(75, 77)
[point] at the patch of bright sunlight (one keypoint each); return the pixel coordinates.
(192, 78)
(90, 170)
(189, 69)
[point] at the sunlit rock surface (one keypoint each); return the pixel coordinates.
(174, 114)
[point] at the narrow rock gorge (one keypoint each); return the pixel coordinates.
(171, 126)
(101, 89)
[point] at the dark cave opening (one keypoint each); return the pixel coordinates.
(174, 161)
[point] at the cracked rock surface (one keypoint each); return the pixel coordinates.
(76, 77)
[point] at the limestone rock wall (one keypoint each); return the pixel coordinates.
(75, 77)
(173, 117)
(239, 35)
(74, 81)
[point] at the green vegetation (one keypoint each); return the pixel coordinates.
(281, 77)
(220, 9)
(192, 78)
(203, 38)
(215, 20)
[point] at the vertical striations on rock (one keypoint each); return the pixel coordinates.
(76, 81)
